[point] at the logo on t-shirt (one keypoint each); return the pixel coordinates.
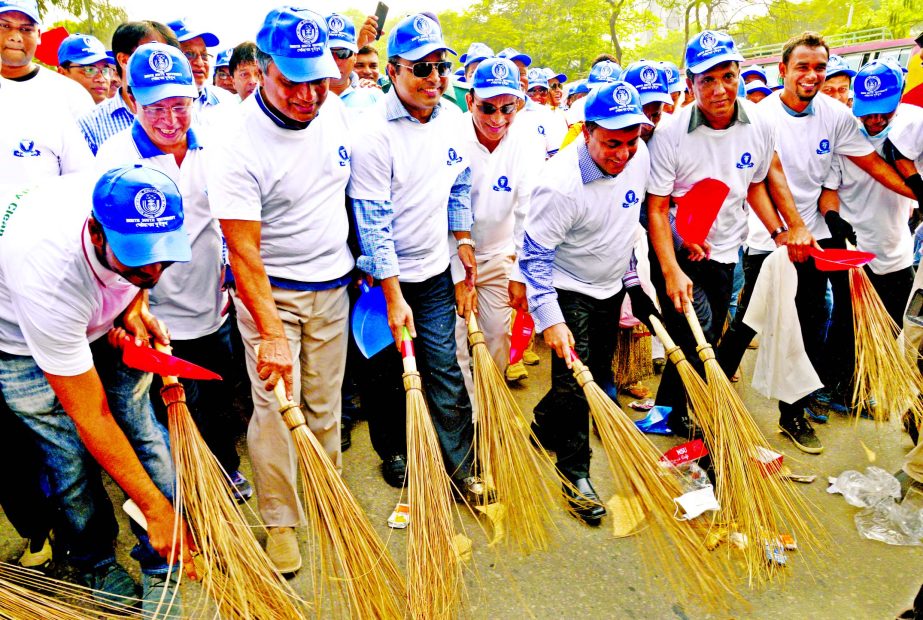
(631, 199)
(824, 147)
(454, 158)
(541, 130)
(27, 149)
(344, 156)
(150, 202)
(503, 185)
(746, 161)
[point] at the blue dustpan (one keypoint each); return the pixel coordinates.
(370, 321)
(655, 423)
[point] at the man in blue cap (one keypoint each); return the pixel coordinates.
(578, 264)
(344, 48)
(83, 58)
(753, 73)
(277, 184)
(94, 244)
(477, 52)
(757, 91)
(555, 87)
(223, 78)
(522, 62)
(194, 42)
(650, 81)
(676, 85)
(538, 118)
(603, 72)
(838, 81)
(411, 191)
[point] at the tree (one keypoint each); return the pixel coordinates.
(95, 17)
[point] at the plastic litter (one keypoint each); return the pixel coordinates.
(865, 490)
(882, 519)
(655, 423)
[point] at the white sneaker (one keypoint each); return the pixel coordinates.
(282, 549)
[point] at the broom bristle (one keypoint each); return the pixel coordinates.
(675, 547)
(434, 572)
(239, 577)
(521, 476)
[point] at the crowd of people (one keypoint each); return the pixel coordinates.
(229, 205)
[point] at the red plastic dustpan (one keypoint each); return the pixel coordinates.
(523, 326)
(47, 50)
(840, 260)
(697, 209)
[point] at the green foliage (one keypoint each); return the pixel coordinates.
(96, 17)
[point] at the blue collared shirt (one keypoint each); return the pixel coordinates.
(105, 120)
(147, 148)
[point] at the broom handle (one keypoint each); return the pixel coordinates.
(407, 352)
(695, 326)
(661, 333)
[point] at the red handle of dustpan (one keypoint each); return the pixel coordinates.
(522, 330)
(144, 358)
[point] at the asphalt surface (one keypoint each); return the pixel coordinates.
(590, 574)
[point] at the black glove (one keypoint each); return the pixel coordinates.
(840, 229)
(642, 307)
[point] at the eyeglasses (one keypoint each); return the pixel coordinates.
(556, 86)
(191, 56)
(342, 53)
(489, 108)
(29, 30)
(425, 69)
(223, 73)
(91, 72)
(538, 89)
(159, 111)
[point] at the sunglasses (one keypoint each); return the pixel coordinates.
(489, 108)
(425, 69)
(342, 53)
(538, 89)
(556, 86)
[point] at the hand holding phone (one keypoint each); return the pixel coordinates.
(381, 14)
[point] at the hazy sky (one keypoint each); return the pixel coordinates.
(240, 23)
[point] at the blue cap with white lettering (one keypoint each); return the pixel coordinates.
(754, 70)
(578, 88)
(416, 36)
(537, 79)
(710, 48)
(157, 71)
(837, 65)
(877, 89)
(495, 77)
(675, 83)
(476, 53)
(297, 41)
(27, 7)
(223, 59)
(185, 32)
(515, 56)
(615, 106)
(82, 49)
(560, 77)
(603, 73)
(649, 80)
(141, 212)
(342, 32)
(757, 87)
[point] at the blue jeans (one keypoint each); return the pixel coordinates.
(88, 524)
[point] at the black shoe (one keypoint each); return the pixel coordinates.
(394, 470)
(800, 431)
(346, 437)
(474, 491)
(584, 501)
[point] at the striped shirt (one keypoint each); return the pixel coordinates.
(105, 120)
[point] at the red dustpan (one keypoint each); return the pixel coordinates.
(523, 326)
(697, 209)
(143, 357)
(47, 50)
(840, 260)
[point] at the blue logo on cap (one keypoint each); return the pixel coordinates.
(344, 156)
(824, 147)
(26, 149)
(631, 199)
(160, 63)
(454, 158)
(746, 161)
(503, 185)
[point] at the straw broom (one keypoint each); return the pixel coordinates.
(520, 475)
(755, 502)
(238, 575)
(632, 360)
(434, 575)
(676, 547)
(364, 581)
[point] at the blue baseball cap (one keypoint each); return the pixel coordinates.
(754, 70)
(757, 86)
(515, 56)
(223, 59)
(157, 71)
(537, 78)
(603, 73)
(476, 53)
(342, 32)
(416, 36)
(560, 77)
(297, 41)
(878, 88)
(578, 88)
(28, 7)
(649, 80)
(82, 49)
(184, 32)
(460, 75)
(675, 82)
(836, 65)
(141, 211)
(495, 77)
(616, 105)
(710, 48)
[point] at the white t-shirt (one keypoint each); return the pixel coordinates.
(549, 124)
(737, 156)
(40, 140)
(293, 182)
(878, 215)
(501, 184)
(50, 86)
(55, 296)
(188, 297)
(591, 227)
(807, 146)
(907, 132)
(208, 109)
(414, 166)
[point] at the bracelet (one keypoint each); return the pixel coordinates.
(467, 241)
(778, 231)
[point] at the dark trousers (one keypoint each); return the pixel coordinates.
(894, 289)
(563, 413)
(712, 284)
(381, 390)
(211, 403)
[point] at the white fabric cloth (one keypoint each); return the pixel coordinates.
(907, 133)
(783, 370)
(550, 125)
(49, 86)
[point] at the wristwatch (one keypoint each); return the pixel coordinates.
(778, 231)
(467, 241)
